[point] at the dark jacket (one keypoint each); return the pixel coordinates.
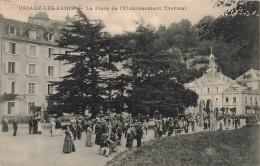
(15, 124)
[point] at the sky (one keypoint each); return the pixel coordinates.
(116, 21)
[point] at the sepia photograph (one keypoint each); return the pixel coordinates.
(129, 83)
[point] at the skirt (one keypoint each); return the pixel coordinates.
(68, 146)
(129, 141)
(88, 140)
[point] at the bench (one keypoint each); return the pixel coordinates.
(177, 131)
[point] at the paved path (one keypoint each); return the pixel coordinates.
(41, 150)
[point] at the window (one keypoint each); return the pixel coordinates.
(208, 90)
(49, 37)
(32, 69)
(251, 100)
(50, 52)
(11, 108)
(13, 87)
(50, 89)
(226, 99)
(30, 107)
(246, 99)
(32, 51)
(32, 34)
(12, 30)
(216, 89)
(256, 102)
(216, 99)
(31, 88)
(11, 68)
(234, 99)
(12, 48)
(50, 71)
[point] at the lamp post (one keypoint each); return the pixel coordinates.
(212, 86)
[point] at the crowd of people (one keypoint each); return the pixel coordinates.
(35, 126)
(108, 131)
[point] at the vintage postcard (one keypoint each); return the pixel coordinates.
(129, 82)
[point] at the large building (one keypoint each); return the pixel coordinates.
(223, 93)
(27, 63)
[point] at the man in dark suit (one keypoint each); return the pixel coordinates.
(139, 134)
(30, 125)
(15, 126)
(35, 125)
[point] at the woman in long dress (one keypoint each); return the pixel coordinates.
(156, 130)
(68, 145)
(39, 130)
(130, 137)
(4, 124)
(89, 132)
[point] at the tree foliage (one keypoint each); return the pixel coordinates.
(152, 70)
(237, 29)
(86, 85)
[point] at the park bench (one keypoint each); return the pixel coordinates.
(177, 131)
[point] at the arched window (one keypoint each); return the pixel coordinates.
(226, 99)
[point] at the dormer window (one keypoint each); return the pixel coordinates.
(32, 34)
(50, 37)
(12, 30)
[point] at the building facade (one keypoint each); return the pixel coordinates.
(220, 92)
(27, 63)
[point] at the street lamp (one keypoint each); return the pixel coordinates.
(212, 85)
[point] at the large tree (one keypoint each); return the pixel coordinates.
(238, 30)
(153, 71)
(86, 85)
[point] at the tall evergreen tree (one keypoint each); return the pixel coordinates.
(86, 85)
(152, 71)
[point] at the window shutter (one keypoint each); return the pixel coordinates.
(16, 88)
(56, 71)
(6, 67)
(17, 67)
(55, 90)
(37, 86)
(17, 48)
(46, 71)
(6, 47)
(37, 70)
(9, 87)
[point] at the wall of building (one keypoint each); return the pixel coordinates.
(22, 78)
(17, 82)
(250, 99)
(233, 100)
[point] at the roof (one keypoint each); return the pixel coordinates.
(251, 74)
(41, 15)
(206, 79)
(22, 29)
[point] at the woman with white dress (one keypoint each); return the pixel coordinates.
(39, 129)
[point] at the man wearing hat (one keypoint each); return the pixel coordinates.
(139, 134)
(98, 131)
